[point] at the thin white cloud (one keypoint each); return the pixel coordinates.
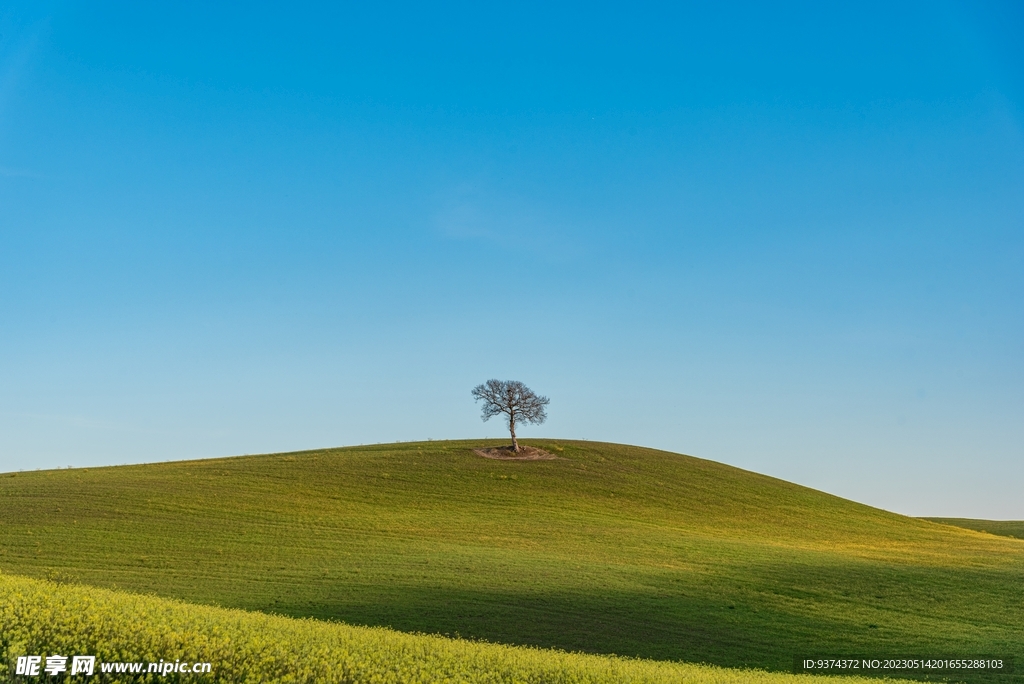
(475, 213)
(8, 172)
(16, 53)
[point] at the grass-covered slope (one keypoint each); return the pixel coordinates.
(609, 549)
(44, 618)
(1003, 528)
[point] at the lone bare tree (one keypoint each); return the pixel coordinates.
(515, 400)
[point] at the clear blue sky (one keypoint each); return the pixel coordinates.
(788, 237)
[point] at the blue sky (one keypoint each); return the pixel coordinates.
(789, 238)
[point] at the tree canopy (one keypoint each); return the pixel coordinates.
(511, 398)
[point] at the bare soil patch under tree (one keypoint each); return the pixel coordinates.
(507, 453)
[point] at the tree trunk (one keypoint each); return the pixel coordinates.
(512, 429)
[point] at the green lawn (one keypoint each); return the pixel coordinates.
(610, 549)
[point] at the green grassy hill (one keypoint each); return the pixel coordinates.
(1003, 528)
(609, 549)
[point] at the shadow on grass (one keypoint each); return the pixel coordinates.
(782, 611)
